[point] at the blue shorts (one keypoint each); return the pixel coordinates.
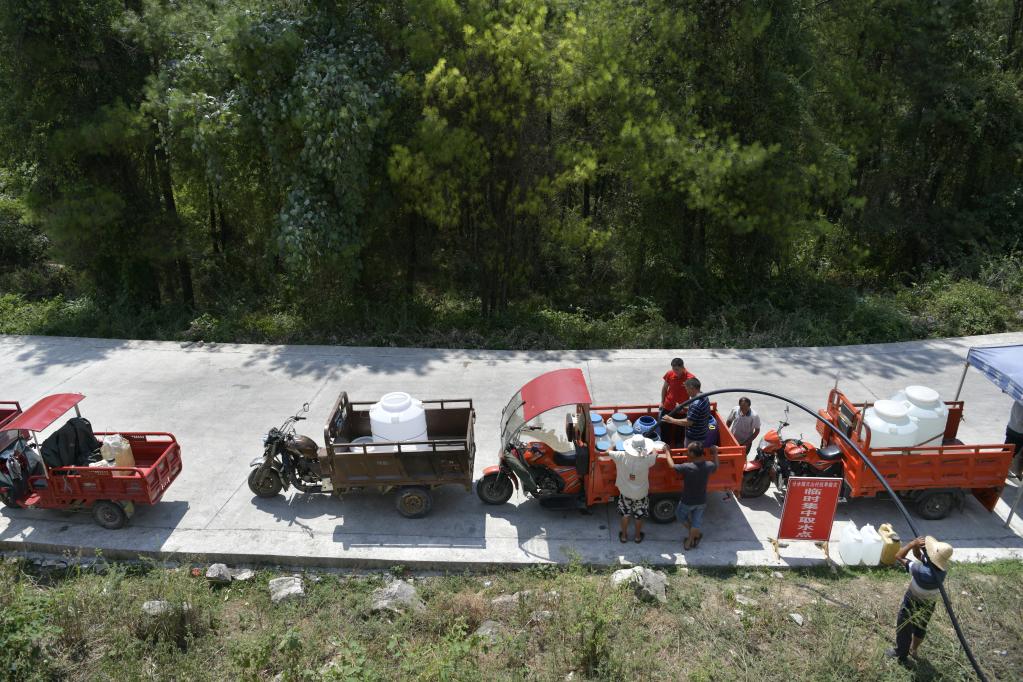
(693, 514)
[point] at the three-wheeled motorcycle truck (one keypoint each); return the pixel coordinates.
(934, 479)
(109, 492)
(565, 468)
(353, 461)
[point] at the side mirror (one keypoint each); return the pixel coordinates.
(305, 407)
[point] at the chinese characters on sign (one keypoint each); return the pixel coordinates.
(809, 508)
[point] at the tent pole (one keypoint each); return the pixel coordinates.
(1019, 495)
(962, 379)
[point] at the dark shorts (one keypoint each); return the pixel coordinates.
(914, 614)
(637, 509)
(1015, 439)
(691, 514)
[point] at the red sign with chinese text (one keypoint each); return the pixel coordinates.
(809, 508)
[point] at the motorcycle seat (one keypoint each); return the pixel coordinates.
(830, 454)
(566, 459)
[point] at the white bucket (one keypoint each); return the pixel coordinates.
(925, 407)
(398, 417)
(873, 543)
(890, 425)
(850, 545)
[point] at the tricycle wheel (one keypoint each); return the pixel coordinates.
(662, 509)
(494, 489)
(755, 483)
(934, 506)
(414, 503)
(265, 482)
(109, 514)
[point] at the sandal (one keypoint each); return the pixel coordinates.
(686, 545)
(621, 537)
(639, 538)
(696, 540)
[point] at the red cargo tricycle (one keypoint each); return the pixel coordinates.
(110, 492)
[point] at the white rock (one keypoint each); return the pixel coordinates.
(744, 600)
(777, 574)
(796, 618)
(649, 585)
(218, 574)
(489, 630)
(540, 617)
(282, 589)
(396, 597)
(242, 574)
(156, 607)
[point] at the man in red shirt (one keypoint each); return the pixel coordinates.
(673, 394)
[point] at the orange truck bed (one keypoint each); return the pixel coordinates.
(980, 469)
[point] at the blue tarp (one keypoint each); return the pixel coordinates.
(1003, 365)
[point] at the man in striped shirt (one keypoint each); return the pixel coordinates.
(697, 420)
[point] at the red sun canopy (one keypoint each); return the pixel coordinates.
(553, 389)
(44, 412)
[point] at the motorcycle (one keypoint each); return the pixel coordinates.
(289, 459)
(779, 458)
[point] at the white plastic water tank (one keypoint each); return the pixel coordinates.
(850, 545)
(398, 417)
(873, 543)
(890, 425)
(925, 406)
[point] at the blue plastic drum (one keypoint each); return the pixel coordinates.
(645, 425)
(713, 435)
(603, 444)
(599, 431)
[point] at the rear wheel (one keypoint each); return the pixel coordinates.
(494, 489)
(755, 483)
(414, 503)
(662, 509)
(109, 514)
(934, 506)
(265, 482)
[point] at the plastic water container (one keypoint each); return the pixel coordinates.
(362, 440)
(398, 417)
(624, 433)
(644, 424)
(890, 425)
(116, 450)
(603, 445)
(850, 545)
(599, 431)
(873, 544)
(617, 421)
(595, 419)
(925, 407)
(892, 543)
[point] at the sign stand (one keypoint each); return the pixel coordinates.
(808, 512)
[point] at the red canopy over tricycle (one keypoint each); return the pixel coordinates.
(28, 480)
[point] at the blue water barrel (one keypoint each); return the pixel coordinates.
(599, 431)
(603, 444)
(713, 435)
(620, 419)
(644, 425)
(596, 419)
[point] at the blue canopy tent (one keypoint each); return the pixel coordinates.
(1003, 366)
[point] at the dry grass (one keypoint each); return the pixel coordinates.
(717, 625)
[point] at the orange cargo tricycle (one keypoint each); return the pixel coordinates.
(29, 477)
(566, 469)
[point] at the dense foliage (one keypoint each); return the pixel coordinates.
(524, 172)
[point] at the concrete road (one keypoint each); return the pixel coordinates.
(219, 400)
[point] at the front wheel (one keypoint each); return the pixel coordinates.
(265, 482)
(494, 488)
(109, 514)
(414, 503)
(662, 510)
(755, 483)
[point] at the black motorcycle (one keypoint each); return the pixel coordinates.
(289, 459)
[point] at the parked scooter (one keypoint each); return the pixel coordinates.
(779, 458)
(289, 459)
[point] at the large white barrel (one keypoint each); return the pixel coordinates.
(890, 425)
(398, 417)
(925, 406)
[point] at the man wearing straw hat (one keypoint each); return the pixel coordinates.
(926, 574)
(632, 477)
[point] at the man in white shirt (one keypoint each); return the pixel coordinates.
(1014, 435)
(632, 477)
(744, 423)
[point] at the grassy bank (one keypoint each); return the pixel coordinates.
(716, 625)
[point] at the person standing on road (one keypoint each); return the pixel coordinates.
(1014, 435)
(925, 577)
(632, 477)
(693, 502)
(744, 423)
(673, 394)
(697, 420)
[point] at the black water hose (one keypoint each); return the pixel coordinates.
(895, 498)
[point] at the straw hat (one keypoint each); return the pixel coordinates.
(938, 552)
(639, 445)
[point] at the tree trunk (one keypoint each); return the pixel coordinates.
(170, 206)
